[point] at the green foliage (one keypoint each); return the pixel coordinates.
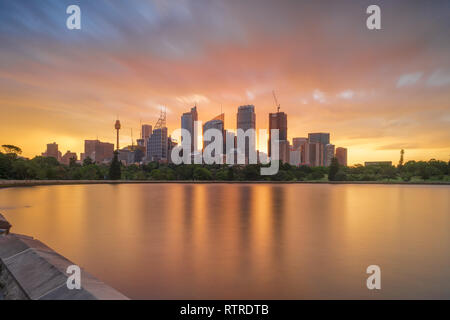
(11, 149)
(114, 168)
(14, 167)
(333, 170)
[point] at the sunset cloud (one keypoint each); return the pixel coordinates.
(330, 73)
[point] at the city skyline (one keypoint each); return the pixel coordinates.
(376, 91)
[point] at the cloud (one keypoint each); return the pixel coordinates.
(409, 79)
(439, 78)
(250, 95)
(319, 96)
(347, 94)
(193, 99)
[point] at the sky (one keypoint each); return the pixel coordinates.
(375, 91)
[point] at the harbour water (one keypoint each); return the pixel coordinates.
(245, 241)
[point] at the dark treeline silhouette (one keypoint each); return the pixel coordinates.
(12, 166)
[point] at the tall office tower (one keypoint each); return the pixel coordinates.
(315, 154)
(230, 144)
(246, 119)
(171, 144)
(52, 151)
(295, 156)
(157, 145)
(298, 142)
(98, 151)
(117, 127)
(322, 138)
(329, 154)
(188, 120)
(285, 149)
(215, 124)
(277, 121)
(341, 155)
(146, 131)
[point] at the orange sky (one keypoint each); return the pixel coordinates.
(376, 92)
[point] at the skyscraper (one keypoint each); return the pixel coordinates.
(329, 154)
(278, 121)
(341, 155)
(146, 131)
(298, 142)
(215, 123)
(323, 139)
(157, 145)
(188, 120)
(315, 154)
(246, 119)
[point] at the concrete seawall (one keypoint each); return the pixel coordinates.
(30, 270)
(29, 183)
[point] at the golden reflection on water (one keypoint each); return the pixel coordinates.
(246, 241)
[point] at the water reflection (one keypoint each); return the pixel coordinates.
(186, 241)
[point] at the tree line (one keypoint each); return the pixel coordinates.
(12, 166)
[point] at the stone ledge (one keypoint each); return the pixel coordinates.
(31, 270)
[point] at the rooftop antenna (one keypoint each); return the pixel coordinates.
(276, 101)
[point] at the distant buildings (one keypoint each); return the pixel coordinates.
(98, 151)
(279, 121)
(65, 159)
(52, 151)
(219, 124)
(117, 127)
(246, 120)
(329, 154)
(157, 145)
(323, 139)
(295, 157)
(188, 120)
(341, 155)
(146, 131)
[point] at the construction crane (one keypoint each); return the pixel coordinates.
(276, 101)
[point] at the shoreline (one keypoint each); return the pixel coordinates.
(30, 183)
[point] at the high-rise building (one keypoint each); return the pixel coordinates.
(146, 131)
(298, 142)
(341, 155)
(188, 120)
(52, 151)
(329, 154)
(322, 138)
(285, 149)
(218, 124)
(246, 119)
(295, 157)
(277, 121)
(98, 151)
(157, 146)
(315, 154)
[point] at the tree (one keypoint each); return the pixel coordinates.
(9, 148)
(333, 170)
(400, 163)
(87, 161)
(114, 169)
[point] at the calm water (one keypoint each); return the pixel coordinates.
(181, 241)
